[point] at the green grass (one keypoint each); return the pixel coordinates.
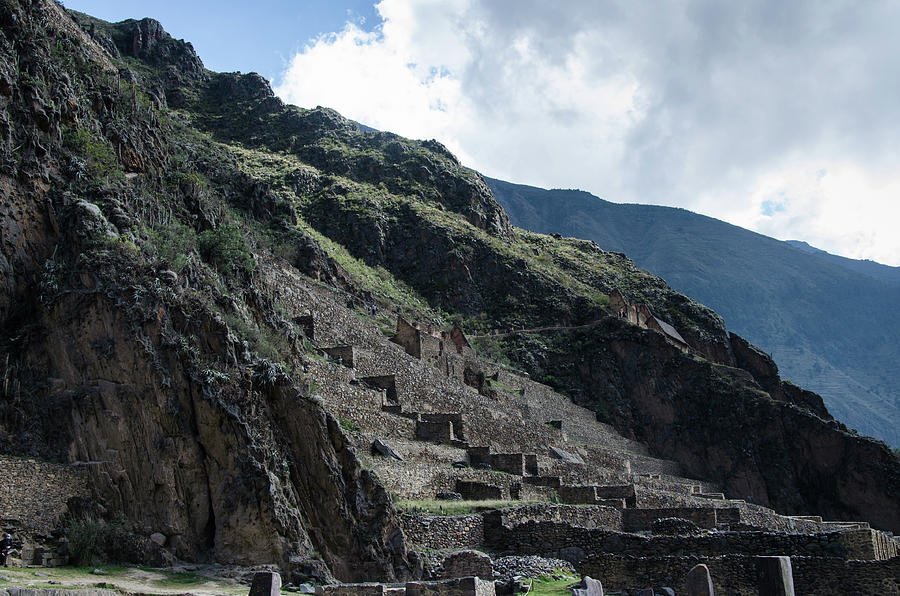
(349, 426)
(435, 507)
(118, 578)
(546, 585)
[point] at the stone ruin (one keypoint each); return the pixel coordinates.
(641, 315)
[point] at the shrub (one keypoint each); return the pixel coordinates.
(225, 248)
(86, 538)
(173, 244)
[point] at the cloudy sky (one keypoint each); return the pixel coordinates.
(781, 117)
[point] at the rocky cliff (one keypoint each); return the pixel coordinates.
(116, 351)
(148, 203)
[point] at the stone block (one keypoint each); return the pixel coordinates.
(699, 582)
(468, 563)
(588, 587)
(775, 576)
(266, 583)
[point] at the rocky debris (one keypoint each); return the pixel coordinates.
(775, 576)
(569, 458)
(266, 583)
(675, 526)
(588, 587)
(699, 582)
(507, 568)
(448, 496)
(382, 448)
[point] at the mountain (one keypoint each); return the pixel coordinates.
(831, 323)
(872, 269)
(242, 332)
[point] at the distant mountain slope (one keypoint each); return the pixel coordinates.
(871, 268)
(831, 323)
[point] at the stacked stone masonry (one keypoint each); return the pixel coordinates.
(34, 493)
(516, 422)
(563, 541)
(736, 575)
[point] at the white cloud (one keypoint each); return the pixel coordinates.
(716, 107)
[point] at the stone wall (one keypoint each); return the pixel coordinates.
(737, 574)
(731, 575)
(443, 531)
(459, 429)
(439, 432)
(635, 520)
(836, 576)
(867, 544)
(578, 494)
(573, 544)
(472, 490)
(467, 586)
(34, 493)
(511, 463)
(343, 354)
(582, 516)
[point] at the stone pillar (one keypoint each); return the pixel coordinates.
(266, 583)
(699, 583)
(776, 578)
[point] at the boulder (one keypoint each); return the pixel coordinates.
(468, 563)
(569, 458)
(158, 538)
(588, 587)
(382, 448)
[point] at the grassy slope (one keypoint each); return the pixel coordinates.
(831, 329)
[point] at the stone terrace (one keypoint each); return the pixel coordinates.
(512, 438)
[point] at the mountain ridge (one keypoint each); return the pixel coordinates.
(794, 304)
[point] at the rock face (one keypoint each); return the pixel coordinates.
(183, 431)
(719, 423)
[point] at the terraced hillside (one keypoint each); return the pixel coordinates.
(200, 290)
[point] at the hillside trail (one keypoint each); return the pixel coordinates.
(498, 333)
